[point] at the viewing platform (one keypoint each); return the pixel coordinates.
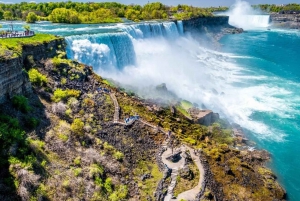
(17, 34)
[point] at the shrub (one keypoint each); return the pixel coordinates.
(32, 122)
(118, 156)
(63, 81)
(77, 172)
(95, 171)
(108, 185)
(60, 94)
(10, 131)
(21, 103)
(77, 126)
(88, 102)
(66, 184)
(77, 160)
(37, 78)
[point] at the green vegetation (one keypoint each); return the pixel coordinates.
(183, 107)
(77, 126)
(148, 186)
(103, 12)
(31, 17)
(12, 47)
(288, 8)
(21, 103)
(189, 182)
(60, 94)
(221, 135)
(36, 77)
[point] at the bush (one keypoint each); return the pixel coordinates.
(32, 122)
(77, 126)
(10, 131)
(37, 78)
(21, 103)
(118, 156)
(95, 171)
(60, 94)
(31, 17)
(108, 185)
(77, 160)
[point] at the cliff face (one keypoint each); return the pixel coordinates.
(209, 28)
(12, 78)
(291, 21)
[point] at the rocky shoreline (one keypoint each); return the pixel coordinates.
(288, 21)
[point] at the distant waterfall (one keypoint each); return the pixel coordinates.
(150, 30)
(116, 50)
(249, 21)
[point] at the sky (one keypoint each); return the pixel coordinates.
(203, 3)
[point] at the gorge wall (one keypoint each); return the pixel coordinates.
(291, 21)
(210, 28)
(13, 80)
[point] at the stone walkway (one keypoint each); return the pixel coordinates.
(192, 193)
(187, 195)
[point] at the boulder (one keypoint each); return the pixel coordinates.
(203, 117)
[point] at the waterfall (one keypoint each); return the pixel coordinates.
(180, 27)
(107, 51)
(249, 21)
(116, 50)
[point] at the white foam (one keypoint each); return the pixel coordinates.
(242, 15)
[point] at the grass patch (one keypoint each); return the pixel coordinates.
(12, 47)
(109, 83)
(183, 184)
(183, 111)
(186, 104)
(148, 186)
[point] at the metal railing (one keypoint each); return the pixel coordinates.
(17, 34)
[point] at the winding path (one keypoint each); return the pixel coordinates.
(192, 193)
(187, 195)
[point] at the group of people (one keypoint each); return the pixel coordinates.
(102, 89)
(16, 34)
(131, 119)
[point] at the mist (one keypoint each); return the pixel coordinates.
(242, 15)
(190, 70)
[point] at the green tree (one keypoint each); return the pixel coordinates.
(8, 15)
(31, 17)
(1, 14)
(26, 27)
(62, 15)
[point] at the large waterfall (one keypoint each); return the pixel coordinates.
(144, 55)
(249, 21)
(116, 50)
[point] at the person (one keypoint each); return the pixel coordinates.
(169, 134)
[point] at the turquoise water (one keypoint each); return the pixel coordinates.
(275, 55)
(253, 79)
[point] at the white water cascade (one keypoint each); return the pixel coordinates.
(144, 55)
(249, 21)
(242, 15)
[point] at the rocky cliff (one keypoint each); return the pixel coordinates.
(13, 80)
(209, 28)
(291, 21)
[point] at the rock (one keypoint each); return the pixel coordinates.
(162, 87)
(186, 173)
(203, 117)
(285, 20)
(145, 176)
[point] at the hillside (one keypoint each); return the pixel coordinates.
(65, 139)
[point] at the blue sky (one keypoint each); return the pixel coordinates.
(204, 3)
